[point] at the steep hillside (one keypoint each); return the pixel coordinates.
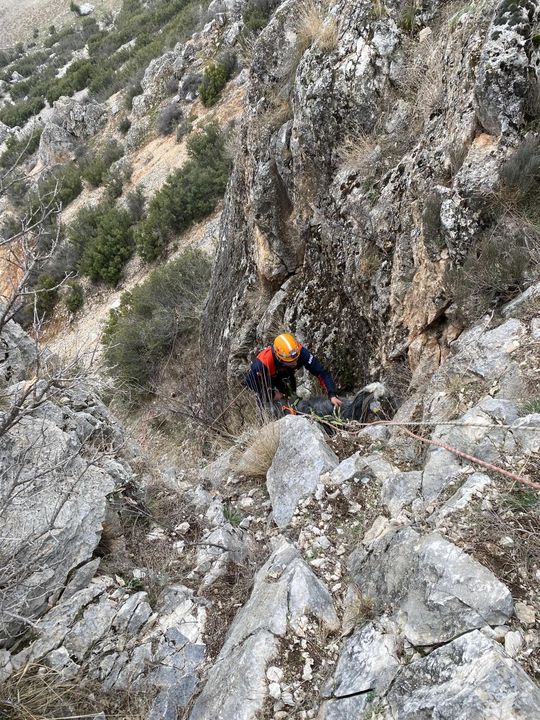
(19, 21)
(366, 175)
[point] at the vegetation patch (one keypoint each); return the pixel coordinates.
(95, 167)
(257, 14)
(213, 81)
(157, 319)
(257, 458)
(74, 297)
(314, 25)
(103, 239)
(17, 151)
(189, 194)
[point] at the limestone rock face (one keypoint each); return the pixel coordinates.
(433, 590)
(366, 160)
(80, 118)
(159, 72)
(470, 677)
(501, 83)
(285, 592)
(56, 145)
(70, 122)
(54, 481)
(302, 456)
(17, 353)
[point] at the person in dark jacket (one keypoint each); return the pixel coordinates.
(272, 377)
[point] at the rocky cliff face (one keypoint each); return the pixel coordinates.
(393, 578)
(369, 165)
(371, 574)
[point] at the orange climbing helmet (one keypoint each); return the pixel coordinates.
(287, 348)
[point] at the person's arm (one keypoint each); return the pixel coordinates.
(258, 379)
(315, 367)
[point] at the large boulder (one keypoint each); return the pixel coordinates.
(80, 118)
(432, 589)
(56, 145)
(302, 456)
(472, 677)
(502, 81)
(285, 591)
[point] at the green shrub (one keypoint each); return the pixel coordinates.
(156, 319)
(17, 151)
(135, 203)
(407, 20)
(74, 297)
(257, 14)
(189, 194)
(213, 81)
(9, 55)
(124, 125)
(96, 166)
(47, 294)
(28, 64)
(104, 240)
(62, 186)
(17, 114)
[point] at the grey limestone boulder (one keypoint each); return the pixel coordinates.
(369, 661)
(435, 590)
(86, 9)
(17, 353)
(302, 456)
(80, 118)
(502, 84)
(400, 489)
(471, 678)
(285, 591)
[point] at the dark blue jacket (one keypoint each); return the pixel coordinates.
(268, 374)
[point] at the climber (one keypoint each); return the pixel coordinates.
(271, 374)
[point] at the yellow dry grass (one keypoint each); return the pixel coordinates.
(257, 458)
(314, 25)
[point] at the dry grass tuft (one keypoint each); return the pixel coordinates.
(314, 25)
(421, 77)
(38, 692)
(358, 153)
(278, 113)
(258, 457)
(358, 609)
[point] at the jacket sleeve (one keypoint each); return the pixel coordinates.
(315, 367)
(258, 379)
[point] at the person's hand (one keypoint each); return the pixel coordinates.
(336, 402)
(278, 395)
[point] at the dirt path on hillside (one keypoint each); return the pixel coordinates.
(19, 18)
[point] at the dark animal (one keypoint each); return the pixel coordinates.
(371, 403)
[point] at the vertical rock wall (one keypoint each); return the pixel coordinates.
(368, 162)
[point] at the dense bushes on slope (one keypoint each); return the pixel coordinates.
(96, 165)
(189, 194)
(109, 67)
(103, 238)
(157, 318)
